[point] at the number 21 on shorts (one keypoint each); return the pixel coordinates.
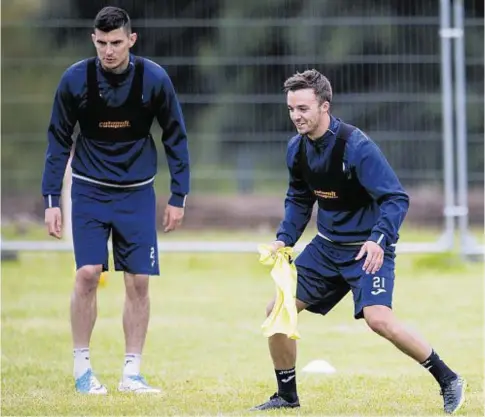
(379, 285)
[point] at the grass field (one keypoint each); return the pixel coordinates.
(206, 350)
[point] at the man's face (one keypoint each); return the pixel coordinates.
(305, 111)
(113, 47)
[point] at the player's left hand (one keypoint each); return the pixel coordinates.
(172, 218)
(374, 259)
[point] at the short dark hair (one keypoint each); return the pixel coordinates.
(111, 18)
(310, 79)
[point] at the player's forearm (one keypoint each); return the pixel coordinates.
(55, 167)
(56, 158)
(393, 210)
(177, 152)
(179, 167)
(174, 139)
(177, 198)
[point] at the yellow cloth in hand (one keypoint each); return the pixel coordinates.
(284, 316)
(103, 279)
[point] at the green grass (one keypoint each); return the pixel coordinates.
(206, 350)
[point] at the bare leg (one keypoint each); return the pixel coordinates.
(83, 305)
(281, 348)
(136, 316)
(83, 318)
(381, 320)
(283, 354)
(136, 312)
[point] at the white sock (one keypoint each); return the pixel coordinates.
(81, 362)
(132, 364)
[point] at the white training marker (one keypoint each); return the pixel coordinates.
(319, 366)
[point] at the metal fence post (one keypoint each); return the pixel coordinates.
(468, 245)
(448, 125)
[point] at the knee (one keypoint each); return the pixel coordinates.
(88, 276)
(381, 320)
(136, 286)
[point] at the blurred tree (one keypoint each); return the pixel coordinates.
(25, 49)
(229, 72)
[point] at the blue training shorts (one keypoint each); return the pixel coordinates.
(327, 272)
(127, 214)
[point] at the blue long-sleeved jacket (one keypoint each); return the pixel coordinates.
(115, 162)
(380, 221)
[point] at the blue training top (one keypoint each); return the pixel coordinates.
(367, 175)
(105, 154)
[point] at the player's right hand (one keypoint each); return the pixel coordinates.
(277, 244)
(172, 218)
(53, 221)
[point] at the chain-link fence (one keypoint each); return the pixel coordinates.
(228, 61)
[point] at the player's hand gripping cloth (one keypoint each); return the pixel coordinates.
(284, 316)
